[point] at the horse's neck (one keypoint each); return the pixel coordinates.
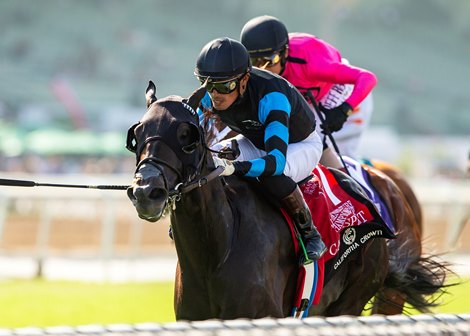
(203, 224)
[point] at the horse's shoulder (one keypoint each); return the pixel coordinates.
(241, 186)
(243, 192)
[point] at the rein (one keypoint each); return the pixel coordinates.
(175, 194)
(309, 94)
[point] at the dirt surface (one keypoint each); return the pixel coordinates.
(61, 227)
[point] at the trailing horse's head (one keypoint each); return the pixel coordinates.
(168, 149)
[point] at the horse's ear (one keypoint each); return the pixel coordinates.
(150, 93)
(196, 97)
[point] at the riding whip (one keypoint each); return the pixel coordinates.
(26, 183)
(327, 131)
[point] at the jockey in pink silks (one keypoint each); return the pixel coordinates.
(342, 91)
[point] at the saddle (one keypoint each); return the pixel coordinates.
(346, 218)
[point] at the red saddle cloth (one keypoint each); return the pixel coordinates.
(335, 207)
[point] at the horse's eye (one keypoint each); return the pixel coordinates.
(187, 134)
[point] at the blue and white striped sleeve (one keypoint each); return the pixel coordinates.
(274, 112)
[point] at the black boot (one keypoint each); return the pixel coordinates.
(300, 213)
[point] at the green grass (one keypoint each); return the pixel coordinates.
(456, 301)
(49, 303)
(25, 303)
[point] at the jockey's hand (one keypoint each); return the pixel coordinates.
(229, 169)
(230, 152)
(335, 117)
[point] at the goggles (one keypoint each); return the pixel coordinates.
(221, 87)
(266, 61)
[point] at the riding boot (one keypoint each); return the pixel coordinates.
(295, 205)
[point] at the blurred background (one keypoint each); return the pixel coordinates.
(73, 76)
(74, 73)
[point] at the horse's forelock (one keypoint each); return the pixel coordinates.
(172, 108)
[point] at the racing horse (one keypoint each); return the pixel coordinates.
(387, 301)
(235, 255)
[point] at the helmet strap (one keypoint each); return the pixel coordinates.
(241, 95)
(283, 54)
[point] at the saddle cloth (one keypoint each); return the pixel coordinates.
(360, 175)
(345, 217)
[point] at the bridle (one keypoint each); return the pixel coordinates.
(190, 181)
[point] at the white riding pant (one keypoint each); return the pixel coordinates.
(302, 157)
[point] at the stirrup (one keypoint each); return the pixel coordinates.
(304, 258)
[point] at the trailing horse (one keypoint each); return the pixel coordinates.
(235, 255)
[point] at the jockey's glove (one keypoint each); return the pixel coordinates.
(230, 152)
(335, 117)
(229, 169)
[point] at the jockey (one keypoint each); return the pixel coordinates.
(277, 140)
(310, 64)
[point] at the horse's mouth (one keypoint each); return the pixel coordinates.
(150, 212)
(151, 218)
(149, 207)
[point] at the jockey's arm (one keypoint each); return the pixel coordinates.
(274, 112)
(340, 73)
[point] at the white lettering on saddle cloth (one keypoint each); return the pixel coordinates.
(350, 249)
(346, 216)
(349, 238)
(310, 187)
(370, 235)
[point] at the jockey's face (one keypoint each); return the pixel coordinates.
(222, 101)
(272, 62)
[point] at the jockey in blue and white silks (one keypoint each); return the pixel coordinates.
(271, 117)
(277, 140)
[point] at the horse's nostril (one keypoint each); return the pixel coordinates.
(157, 193)
(130, 193)
(139, 192)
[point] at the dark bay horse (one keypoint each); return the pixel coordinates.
(235, 255)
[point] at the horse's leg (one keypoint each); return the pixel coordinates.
(389, 302)
(354, 283)
(177, 291)
(362, 278)
(190, 302)
(265, 290)
(257, 302)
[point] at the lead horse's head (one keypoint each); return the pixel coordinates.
(169, 148)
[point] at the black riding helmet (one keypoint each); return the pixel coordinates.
(264, 35)
(222, 59)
